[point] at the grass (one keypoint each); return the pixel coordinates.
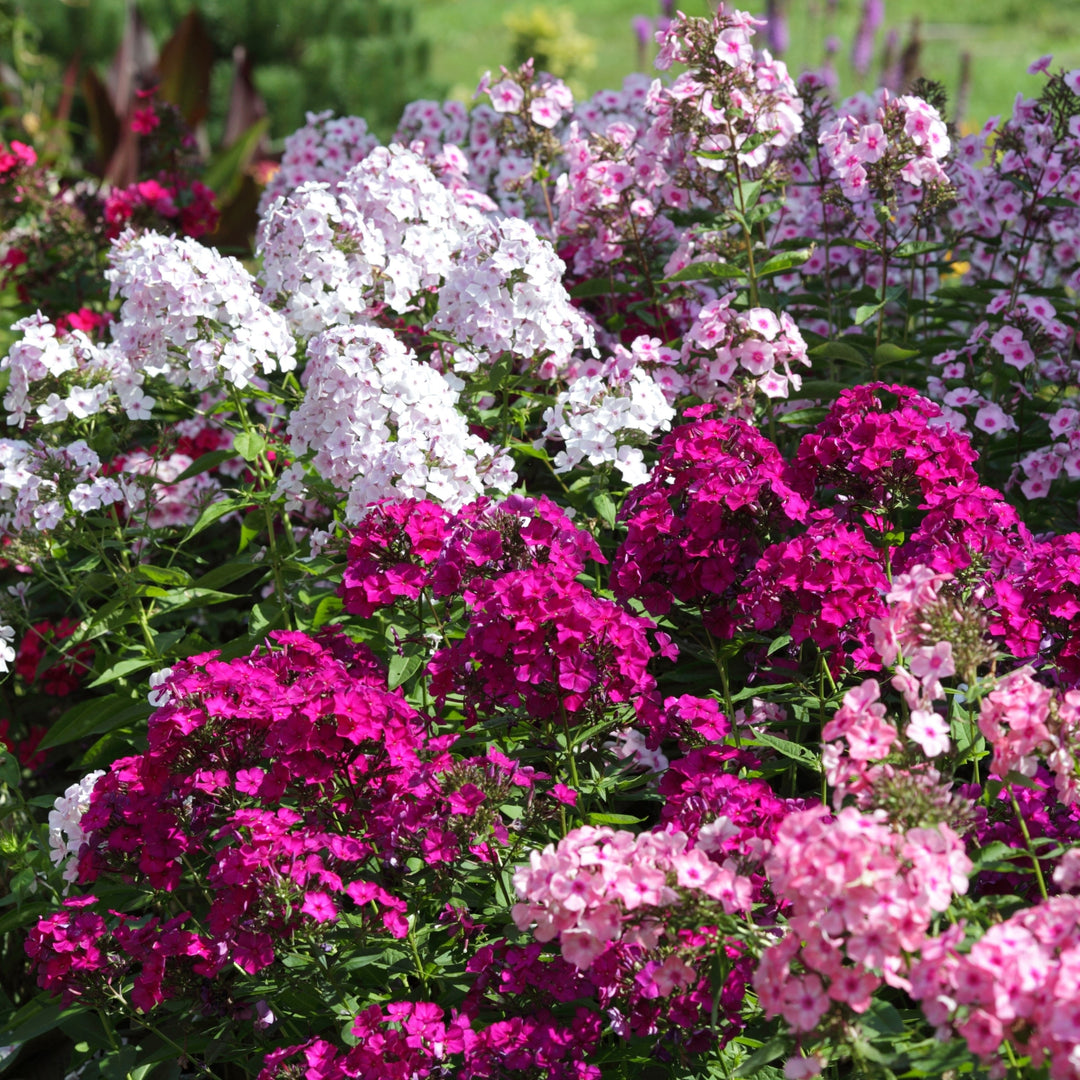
(1002, 37)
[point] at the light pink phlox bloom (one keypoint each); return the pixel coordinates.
(929, 730)
(506, 96)
(1013, 718)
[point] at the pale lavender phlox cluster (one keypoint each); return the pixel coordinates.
(503, 293)
(381, 424)
(385, 234)
(322, 151)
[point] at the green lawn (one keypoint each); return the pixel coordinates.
(1003, 37)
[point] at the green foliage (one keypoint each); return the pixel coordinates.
(361, 57)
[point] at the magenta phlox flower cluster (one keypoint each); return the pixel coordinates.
(1016, 984)
(730, 354)
(538, 642)
(862, 897)
(704, 517)
(284, 776)
(400, 549)
(78, 955)
(408, 1040)
(1044, 815)
(880, 456)
(584, 890)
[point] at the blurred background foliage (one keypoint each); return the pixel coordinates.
(353, 56)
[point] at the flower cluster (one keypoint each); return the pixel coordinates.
(1013, 986)
(862, 898)
(582, 890)
(377, 421)
(730, 354)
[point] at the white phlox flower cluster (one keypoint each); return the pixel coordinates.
(66, 835)
(381, 424)
(7, 650)
(504, 293)
(386, 233)
(601, 418)
(193, 315)
(42, 363)
(39, 485)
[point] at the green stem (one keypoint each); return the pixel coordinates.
(1027, 841)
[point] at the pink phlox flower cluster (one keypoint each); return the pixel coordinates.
(543, 98)
(734, 103)
(193, 315)
(322, 151)
(609, 199)
(503, 293)
(907, 140)
(1016, 984)
(1014, 719)
(378, 424)
(583, 889)
(755, 347)
(861, 899)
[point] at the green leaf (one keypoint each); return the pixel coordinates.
(205, 464)
(325, 610)
(811, 415)
(120, 669)
(214, 512)
(704, 271)
(794, 751)
(768, 1051)
(605, 508)
(778, 644)
(892, 354)
(601, 287)
(613, 819)
(249, 445)
(839, 350)
(403, 668)
(24, 916)
(918, 247)
(94, 717)
(162, 575)
(227, 573)
(225, 172)
(784, 261)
